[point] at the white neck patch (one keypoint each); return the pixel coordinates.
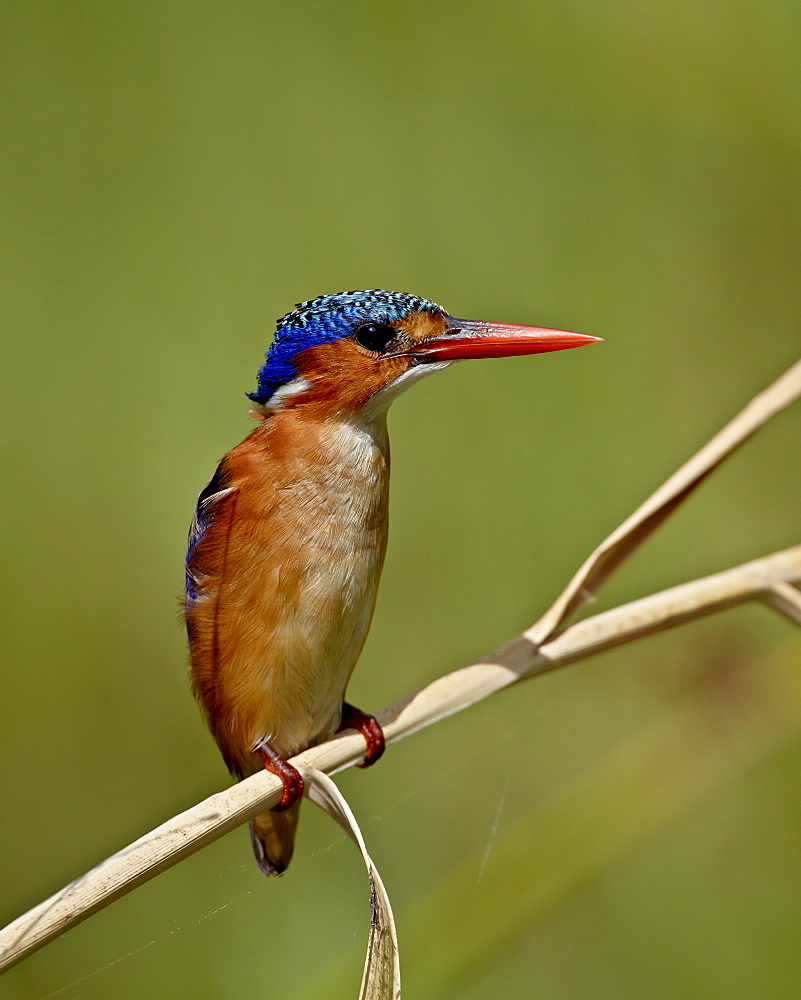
(378, 404)
(284, 392)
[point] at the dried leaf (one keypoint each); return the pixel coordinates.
(381, 979)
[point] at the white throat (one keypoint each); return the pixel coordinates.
(378, 404)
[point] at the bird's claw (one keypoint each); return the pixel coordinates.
(369, 727)
(289, 775)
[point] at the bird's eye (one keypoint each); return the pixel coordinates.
(375, 336)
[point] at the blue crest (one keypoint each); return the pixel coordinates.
(325, 319)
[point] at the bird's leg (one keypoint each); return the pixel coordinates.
(369, 727)
(289, 775)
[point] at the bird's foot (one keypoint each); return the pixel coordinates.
(369, 727)
(289, 775)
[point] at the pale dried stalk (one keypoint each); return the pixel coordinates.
(519, 659)
(785, 599)
(660, 505)
(767, 579)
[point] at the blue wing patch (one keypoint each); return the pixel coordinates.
(201, 520)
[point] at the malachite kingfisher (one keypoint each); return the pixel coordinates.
(288, 539)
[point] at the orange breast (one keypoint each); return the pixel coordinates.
(286, 575)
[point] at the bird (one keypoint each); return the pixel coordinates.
(287, 540)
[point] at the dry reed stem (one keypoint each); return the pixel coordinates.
(517, 660)
(660, 505)
(785, 599)
(768, 579)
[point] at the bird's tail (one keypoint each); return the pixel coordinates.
(273, 837)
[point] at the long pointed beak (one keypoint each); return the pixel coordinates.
(469, 338)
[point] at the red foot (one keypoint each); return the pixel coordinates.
(275, 764)
(368, 726)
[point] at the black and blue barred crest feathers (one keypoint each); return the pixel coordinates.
(399, 304)
(325, 319)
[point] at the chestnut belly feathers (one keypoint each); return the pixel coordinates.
(285, 558)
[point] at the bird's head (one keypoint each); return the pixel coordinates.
(355, 351)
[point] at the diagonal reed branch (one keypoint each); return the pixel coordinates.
(516, 660)
(651, 514)
(785, 599)
(537, 651)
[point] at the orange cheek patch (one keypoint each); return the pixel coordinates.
(422, 325)
(342, 377)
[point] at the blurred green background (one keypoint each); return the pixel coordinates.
(175, 176)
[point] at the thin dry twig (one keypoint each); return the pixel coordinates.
(623, 541)
(769, 579)
(785, 599)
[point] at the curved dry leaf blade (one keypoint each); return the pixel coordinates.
(623, 541)
(381, 979)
